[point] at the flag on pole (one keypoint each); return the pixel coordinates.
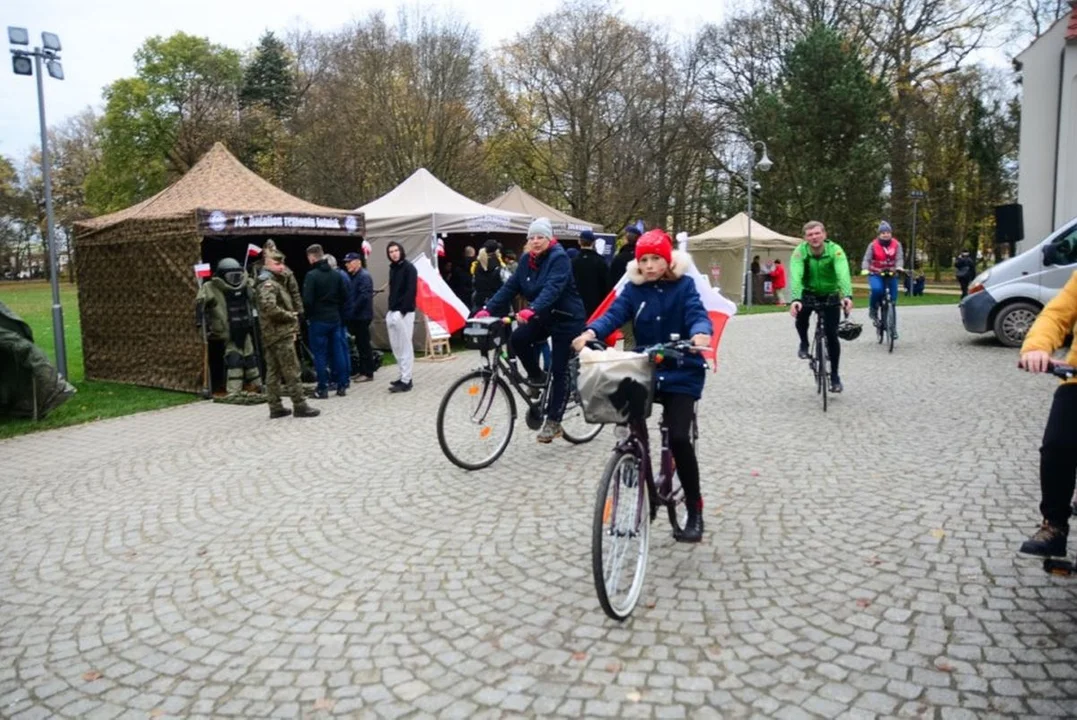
(441, 247)
(719, 309)
(202, 270)
(253, 250)
(434, 297)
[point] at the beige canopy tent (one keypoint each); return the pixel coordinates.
(137, 282)
(565, 227)
(413, 214)
(720, 252)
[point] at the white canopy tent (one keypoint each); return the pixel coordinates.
(720, 251)
(565, 226)
(413, 214)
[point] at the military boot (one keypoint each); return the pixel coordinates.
(305, 410)
(278, 412)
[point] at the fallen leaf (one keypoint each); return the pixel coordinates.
(943, 666)
(91, 675)
(579, 656)
(614, 667)
(202, 552)
(324, 704)
(157, 712)
(873, 560)
(633, 696)
(650, 604)
(755, 473)
(863, 602)
(938, 533)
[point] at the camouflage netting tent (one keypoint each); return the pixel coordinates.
(136, 267)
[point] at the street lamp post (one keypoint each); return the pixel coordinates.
(49, 54)
(764, 165)
(916, 196)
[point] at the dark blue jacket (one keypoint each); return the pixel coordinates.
(360, 307)
(324, 294)
(657, 310)
(550, 291)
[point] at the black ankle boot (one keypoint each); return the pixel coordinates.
(693, 529)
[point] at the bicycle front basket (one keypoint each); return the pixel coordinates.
(482, 334)
(615, 386)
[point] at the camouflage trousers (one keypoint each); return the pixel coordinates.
(241, 363)
(282, 368)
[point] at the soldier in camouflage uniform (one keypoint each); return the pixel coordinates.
(280, 325)
(224, 306)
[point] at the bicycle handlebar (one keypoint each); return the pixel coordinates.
(1061, 370)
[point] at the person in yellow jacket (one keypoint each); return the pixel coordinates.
(1058, 453)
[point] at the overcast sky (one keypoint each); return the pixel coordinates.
(100, 37)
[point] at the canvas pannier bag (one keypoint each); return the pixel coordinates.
(615, 386)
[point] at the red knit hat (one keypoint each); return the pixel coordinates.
(655, 242)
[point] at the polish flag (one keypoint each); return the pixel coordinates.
(202, 270)
(719, 309)
(439, 303)
(367, 248)
(253, 250)
(441, 247)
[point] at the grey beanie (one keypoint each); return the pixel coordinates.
(884, 227)
(540, 227)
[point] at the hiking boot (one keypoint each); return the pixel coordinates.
(305, 410)
(280, 412)
(835, 384)
(399, 387)
(1048, 541)
(802, 351)
(693, 529)
(549, 431)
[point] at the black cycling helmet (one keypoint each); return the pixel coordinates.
(848, 330)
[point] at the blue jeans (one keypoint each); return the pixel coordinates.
(347, 354)
(878, 284)
(325, 342)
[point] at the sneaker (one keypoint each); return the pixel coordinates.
(280, 412)
(399, 387)
(364, 378)
(1048, 541)
(802, 352)
(396, 382)
(835, 384)
(305, 410)
(549, 431)
(341, 392)
(693, 530)
(321, 394)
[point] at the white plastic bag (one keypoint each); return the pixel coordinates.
(615, 386)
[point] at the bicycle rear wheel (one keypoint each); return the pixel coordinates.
(475, 420)
(620, 535)
(891, 323)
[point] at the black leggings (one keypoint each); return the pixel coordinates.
(678, 412)
(831, 317)
(1058, 457)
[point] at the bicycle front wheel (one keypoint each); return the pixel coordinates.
(620, 535)
(820, 350)
(891, 323)
(475, 420)
(575, 429)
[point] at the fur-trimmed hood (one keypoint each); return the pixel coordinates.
(679, 266)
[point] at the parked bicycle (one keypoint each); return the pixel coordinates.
(477, 415)
(629, 496)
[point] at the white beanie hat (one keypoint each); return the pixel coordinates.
(541, 227)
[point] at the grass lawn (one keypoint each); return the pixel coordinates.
(860, 299)
(94, 400)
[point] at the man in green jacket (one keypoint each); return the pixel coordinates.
(819, 276)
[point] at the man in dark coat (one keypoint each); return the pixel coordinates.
(400, 320)
(965, 269)
(359, 311)
(591, 273)
(324, 297)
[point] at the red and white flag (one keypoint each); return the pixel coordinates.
(367, 248)
(434, 297)
(441, 247)
(719, 309)
(202, 270)
(253, 250)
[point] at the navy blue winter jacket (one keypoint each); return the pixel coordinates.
(360, 306)
(657, 310)
(550, 290)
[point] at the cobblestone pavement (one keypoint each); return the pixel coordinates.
(203, 561)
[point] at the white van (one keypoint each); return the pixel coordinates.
(1007, 298)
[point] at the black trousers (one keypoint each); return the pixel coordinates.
(360, 329)
(1058, 457)
(831, 319)
(677, 412)
(964, 285)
